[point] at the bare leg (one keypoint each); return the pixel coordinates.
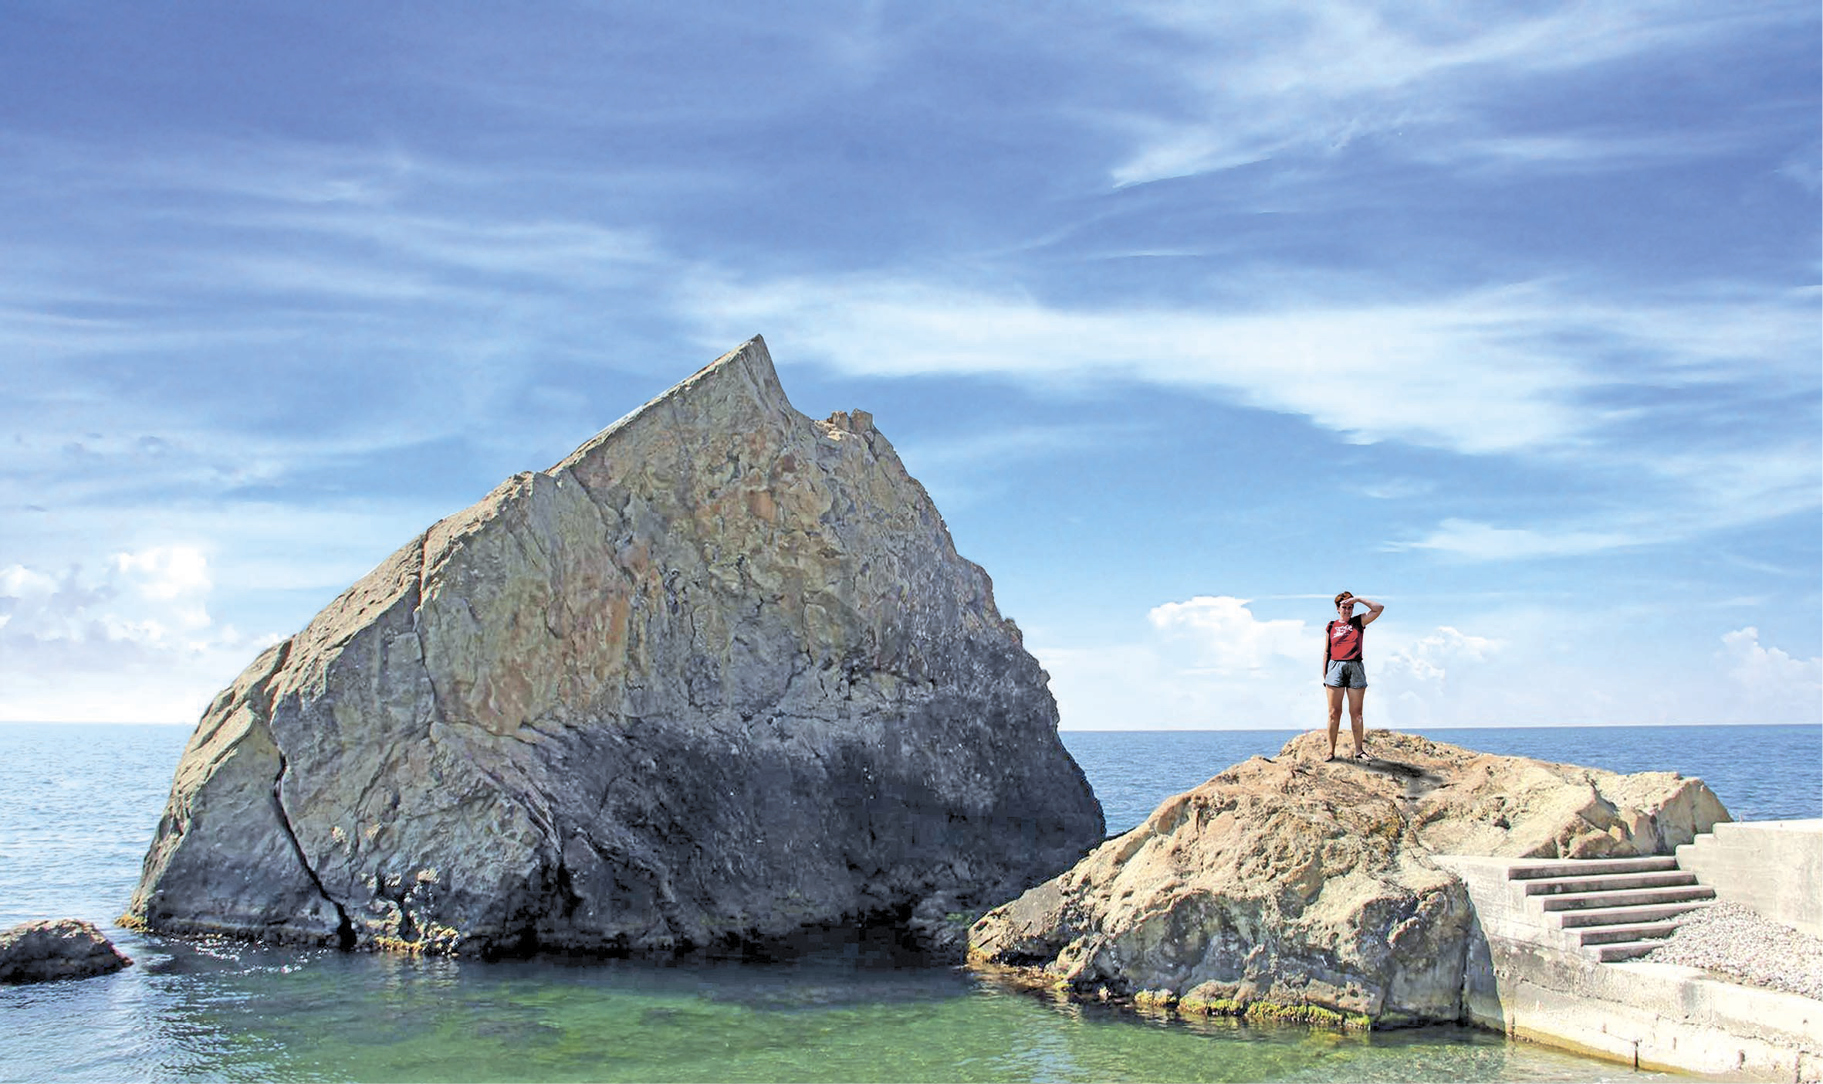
(1335, 716)
(1355, 697)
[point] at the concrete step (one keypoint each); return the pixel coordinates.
(1623, 931)
(1608, 882)
(1622, 950)
(1582, 867)
(1566, 901)
(1614, 916)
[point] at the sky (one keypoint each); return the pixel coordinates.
(1189, 316)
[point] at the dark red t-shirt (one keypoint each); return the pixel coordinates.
(1345, 639)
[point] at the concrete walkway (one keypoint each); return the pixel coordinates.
(1543, 966)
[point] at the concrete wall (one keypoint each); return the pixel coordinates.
(1774, 867)
(1525, 978)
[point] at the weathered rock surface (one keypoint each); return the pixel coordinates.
(717, 677)
(1294, 887)
(64, 948)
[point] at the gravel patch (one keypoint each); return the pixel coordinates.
(1736, 943)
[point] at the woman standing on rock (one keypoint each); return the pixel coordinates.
(1343, 668)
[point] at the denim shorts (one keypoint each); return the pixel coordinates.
(1345, 674)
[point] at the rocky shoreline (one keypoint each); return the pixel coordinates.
(1289, 887)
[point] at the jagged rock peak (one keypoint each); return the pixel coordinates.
(744, 373)
(716, 677)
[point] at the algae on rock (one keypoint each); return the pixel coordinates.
(717, 677)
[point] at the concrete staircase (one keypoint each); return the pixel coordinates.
(1610, 908)
(1543, 927)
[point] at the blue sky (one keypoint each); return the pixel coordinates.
(1188, 315)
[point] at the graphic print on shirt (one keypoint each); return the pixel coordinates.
(1345, 640)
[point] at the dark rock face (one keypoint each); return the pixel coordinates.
(65, 948)
(716, 678)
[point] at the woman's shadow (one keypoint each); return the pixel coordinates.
(1416, 781)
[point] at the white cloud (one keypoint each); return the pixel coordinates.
(570, 253)
(1208, 663)
(1465, 372)
(133, 643)
(1149, 686)
(1003, 444)
(1482, 542)
(1569, 152)
(1483, 371)
(1537, 369)
(165, 572)
(1774, 687)
(1397, 489)
(1416, 678)
(19, 582)
(1522, 368)
(1225, 637)
(1262, 79)
(1699, 494)
(1211, 663)
(1428, 654)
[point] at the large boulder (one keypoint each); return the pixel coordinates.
(1296, 887)
(64, 948)
(716, 678)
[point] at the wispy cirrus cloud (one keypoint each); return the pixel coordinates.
(1529, 366)
(1485, 542)
(973, 451)
(1540, 369)
(313, 286)
(1459, 373)
(1651, 388)
(1338, 72)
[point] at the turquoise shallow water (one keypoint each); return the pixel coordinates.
(78, 804)
(247, 1014)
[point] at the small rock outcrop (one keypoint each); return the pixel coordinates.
(64, 948)
(1298, 888)
(716, 678)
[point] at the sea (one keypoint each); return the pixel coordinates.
(78, 804)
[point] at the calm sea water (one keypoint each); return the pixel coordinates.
(1759, 772)
(78, 805)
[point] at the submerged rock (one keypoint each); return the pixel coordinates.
(717, 677)
(1295, 887)
(64, 948)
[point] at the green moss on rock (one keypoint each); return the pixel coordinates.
(1274, 1012)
